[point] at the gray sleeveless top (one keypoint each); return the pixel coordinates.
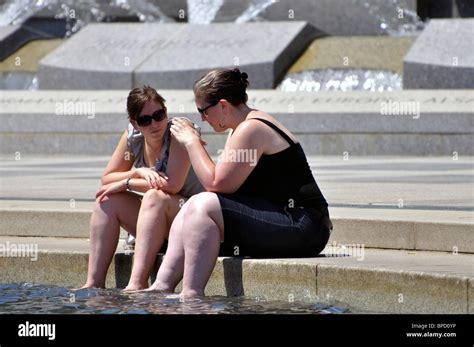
(135, 142)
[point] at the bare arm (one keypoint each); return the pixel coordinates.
(120, 166)
(172, 181)
(119, 169)
(225, 176)
(177, 169)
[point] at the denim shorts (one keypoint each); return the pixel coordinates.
(262, 229)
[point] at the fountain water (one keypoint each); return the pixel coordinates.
(341, 80)
(25, 298)
(394, 17)
(252, 12)
(77, 13)
(16, 12)
(146, 11)
(203, 11)
(401, 22)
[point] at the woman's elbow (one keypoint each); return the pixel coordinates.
(103, 180)
(172, 189)
(220, 187)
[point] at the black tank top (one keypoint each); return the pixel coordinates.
(284, 177)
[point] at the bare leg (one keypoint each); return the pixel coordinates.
(157, 212)
(203, 229)
(171, 270)
(120, 209)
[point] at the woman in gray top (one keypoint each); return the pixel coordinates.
(147, 160)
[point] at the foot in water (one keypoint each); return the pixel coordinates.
(135, 288)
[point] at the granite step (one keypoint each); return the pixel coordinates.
(449, 231)
(383, 281)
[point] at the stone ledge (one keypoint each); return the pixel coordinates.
(384, 281)
(401, 233)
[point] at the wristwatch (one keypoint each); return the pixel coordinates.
(127, 183)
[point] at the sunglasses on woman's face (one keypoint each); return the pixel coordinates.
(203, 110)
(145, 120)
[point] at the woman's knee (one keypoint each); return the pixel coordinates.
(108, 206)
(178, 221)
(111, 208)
(155, 199)
(201, 204)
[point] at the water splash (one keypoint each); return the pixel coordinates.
(77, 13)
(394, 16)
(16, 12)
(341, 80)
(18, 80)
(255, 8)
(203, 11)
(146, 11)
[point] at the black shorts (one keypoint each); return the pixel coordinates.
(261, 229)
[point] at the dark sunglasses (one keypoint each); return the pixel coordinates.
(145, 120)
(202, 110)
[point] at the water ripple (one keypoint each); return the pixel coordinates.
(28, 298)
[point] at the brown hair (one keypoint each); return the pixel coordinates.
(138, 97)
(228, 84)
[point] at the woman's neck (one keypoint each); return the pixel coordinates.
(153, 149)
(239, 115)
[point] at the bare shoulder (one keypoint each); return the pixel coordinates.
(257, 134)
(247, 132)
(265, 127)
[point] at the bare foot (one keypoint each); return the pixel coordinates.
(87, 286)
(155, 288)
(135, 288)
(192, 294)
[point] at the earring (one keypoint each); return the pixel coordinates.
(222, 126)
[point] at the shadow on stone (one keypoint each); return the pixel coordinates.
(465, 8)
(445, 9)
(154, 272)
(233, 280)
(232, 275)
(42, 25)
(123, 269)
(332, 255)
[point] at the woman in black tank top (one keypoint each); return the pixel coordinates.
(261, 200)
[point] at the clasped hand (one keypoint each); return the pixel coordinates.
(184, 132)
(155, 180)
